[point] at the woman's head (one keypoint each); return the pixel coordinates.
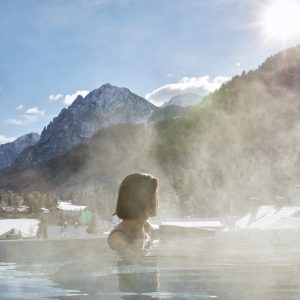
(137, 197)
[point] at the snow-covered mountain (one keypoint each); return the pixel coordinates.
(10, 151)
(106, 106)
(184, 100)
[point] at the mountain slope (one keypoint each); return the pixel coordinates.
(103, 107)
(240, 147)
(10, 151)
(184, 100)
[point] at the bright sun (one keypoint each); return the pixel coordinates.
(281, 20)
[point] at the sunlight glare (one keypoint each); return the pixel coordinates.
(281, 20)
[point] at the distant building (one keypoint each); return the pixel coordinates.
(23, 208)
(9, 209)
(69, 206)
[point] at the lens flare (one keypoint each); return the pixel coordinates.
(281, 21)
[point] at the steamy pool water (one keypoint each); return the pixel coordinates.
(247, 266)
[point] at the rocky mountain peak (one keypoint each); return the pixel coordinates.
(103, 107)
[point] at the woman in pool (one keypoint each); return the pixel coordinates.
(137, 201)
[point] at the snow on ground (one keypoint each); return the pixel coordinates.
(68, 206)
(26, 227)
(194, 223)
(270, 217)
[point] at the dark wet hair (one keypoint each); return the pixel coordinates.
(137, 197)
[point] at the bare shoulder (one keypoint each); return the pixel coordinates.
(118, 239)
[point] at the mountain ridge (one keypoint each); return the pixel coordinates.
(10, 151)
(102, 107)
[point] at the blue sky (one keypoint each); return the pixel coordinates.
(60, 47)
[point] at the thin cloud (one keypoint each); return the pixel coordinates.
(201, 86)
(170, 75)
(19, 107)
(31, 118)
(57, 97)
(31, 115)
(35, 111)
(68, 99)
(15, 122)
(5, 139)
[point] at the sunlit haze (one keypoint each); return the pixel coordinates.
(280, 20)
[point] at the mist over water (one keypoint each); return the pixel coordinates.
(224, 267)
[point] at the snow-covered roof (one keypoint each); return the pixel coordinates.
(8, 208)
(26, 227)
(23, 208)
(44, 210)
(270, 217)
(194, 223)
(68, 206)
